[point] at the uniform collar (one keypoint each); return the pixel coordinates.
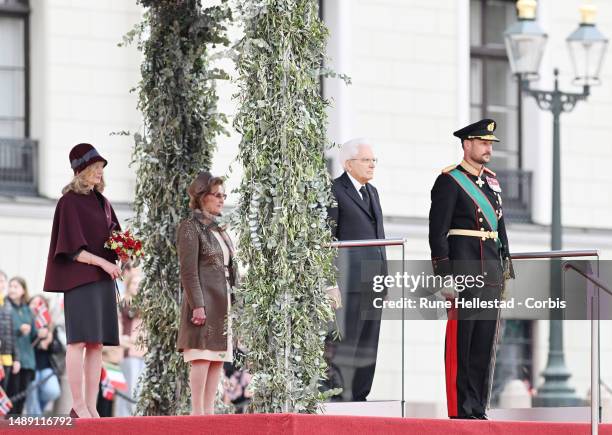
(471, 169)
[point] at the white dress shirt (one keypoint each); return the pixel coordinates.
(356, 183)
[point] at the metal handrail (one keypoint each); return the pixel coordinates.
(514, 256)
(595, 375)
(520, 256)
(554, 254)
(385, 242)
(567, 265)
(594, 319)
(366, 243)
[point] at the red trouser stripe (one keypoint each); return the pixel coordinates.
(450, 363)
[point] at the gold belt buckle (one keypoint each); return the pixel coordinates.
(489, 235)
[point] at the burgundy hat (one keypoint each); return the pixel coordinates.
(83, 155)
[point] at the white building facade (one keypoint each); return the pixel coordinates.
(419, 71)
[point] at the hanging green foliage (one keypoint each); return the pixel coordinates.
(281, 216)
(178, 101)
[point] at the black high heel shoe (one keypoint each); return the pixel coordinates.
(73, 413)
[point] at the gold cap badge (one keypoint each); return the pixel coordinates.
(491, 126)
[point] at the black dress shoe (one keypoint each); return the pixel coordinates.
(482, 417)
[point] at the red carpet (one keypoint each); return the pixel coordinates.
(288, 424)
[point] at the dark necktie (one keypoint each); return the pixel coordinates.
(366, 197)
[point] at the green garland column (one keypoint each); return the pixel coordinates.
(178, 101)
(281, 216)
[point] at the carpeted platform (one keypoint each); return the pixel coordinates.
(288, 424)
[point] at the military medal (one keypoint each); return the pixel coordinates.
(480, 182)
(494, 184)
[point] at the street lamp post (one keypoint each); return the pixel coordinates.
(525, 43)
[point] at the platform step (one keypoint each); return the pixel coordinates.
(559, 414)
(375, 408)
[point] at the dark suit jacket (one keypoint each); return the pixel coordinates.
(350, 220)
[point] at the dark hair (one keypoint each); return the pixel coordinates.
(22, 282)
(200, 187)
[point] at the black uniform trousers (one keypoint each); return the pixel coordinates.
(469, 354)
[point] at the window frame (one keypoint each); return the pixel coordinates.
(483, 53)
(22, 11)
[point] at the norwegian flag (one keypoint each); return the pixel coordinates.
(42, 315)
(5, 403)
(108, 391)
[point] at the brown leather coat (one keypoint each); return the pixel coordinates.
(203, 283)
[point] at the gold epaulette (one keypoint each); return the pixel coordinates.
(448, 169)
(490, 171)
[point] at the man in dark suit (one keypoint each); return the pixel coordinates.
(467, 236)
(357, 216)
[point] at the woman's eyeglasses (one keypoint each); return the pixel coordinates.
(219, 195)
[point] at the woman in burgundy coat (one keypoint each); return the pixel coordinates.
(80, 266)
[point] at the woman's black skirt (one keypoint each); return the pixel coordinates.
(91, 314)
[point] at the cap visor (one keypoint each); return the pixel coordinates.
(485, 137)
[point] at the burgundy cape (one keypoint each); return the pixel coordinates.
(79, 223)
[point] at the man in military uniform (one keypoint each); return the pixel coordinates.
(467, 236)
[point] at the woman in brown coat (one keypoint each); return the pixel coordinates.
(206, 270)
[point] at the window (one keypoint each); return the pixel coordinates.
(14, 69)
(494, 92)
(18, 154)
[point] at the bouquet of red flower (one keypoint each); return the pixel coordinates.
(125, 245)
